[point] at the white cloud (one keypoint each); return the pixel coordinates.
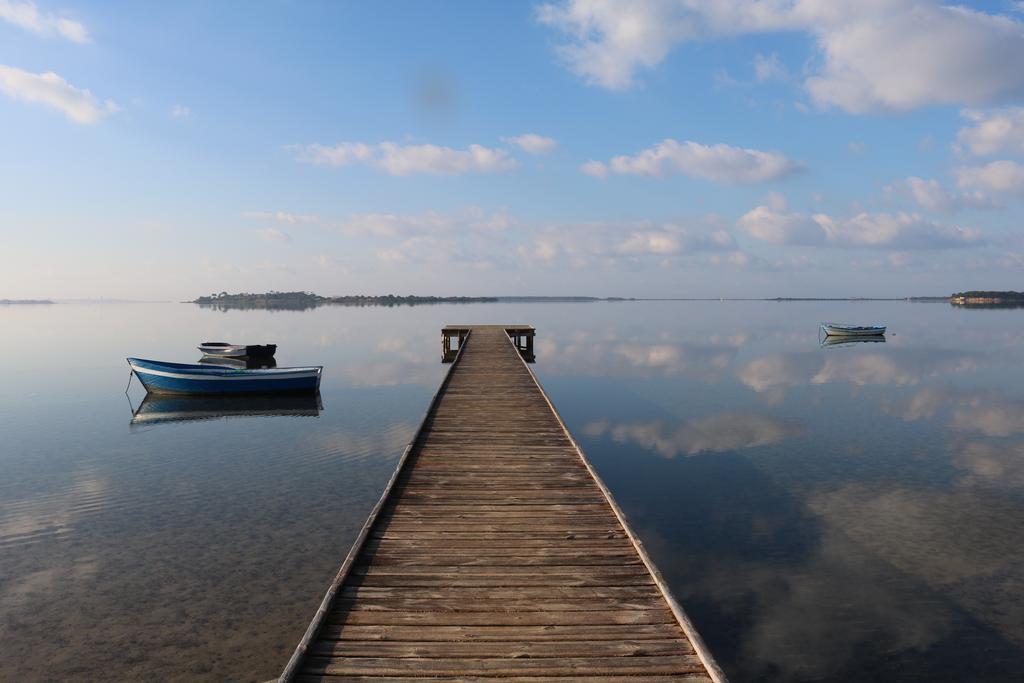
(609, 41)
(180, 111)
(891, 55)
(401, 160)
(281, 217)
(865, 230)
(915, 53)
(469, 237)
(533, 143)
(545, 250)
(992, 131)
(932, 196)
(775, 200)
(27, 16)
(769, 68)
(855, 147)
(998, 176)
(674, 239)
(273, 235)
(780, 227)
(718, 163)
(391, 225)
(650, 242)
(582, 245)
(342, 154)
(596, 169)
(480, 238)
(899, 230)
(391, 256)
(79, 105)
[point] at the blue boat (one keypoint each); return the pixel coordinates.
(184, 378)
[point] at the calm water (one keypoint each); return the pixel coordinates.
(841, 513)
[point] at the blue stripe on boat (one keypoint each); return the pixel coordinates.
(185, 378)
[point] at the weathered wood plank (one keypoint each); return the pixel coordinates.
(580, 632)
(472, 560)
(370, 569)
(549, 604)
(627, 678)
(519, 593)
(507, 650)
(500, 579)
(528, 537)
(562, 666)
(409, 618)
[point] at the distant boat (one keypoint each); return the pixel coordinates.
(184, 378)
(227, 350)
(841, 330)
(161, 408)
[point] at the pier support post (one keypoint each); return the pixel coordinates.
(447, 352)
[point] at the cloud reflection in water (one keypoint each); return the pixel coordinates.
(716, 433)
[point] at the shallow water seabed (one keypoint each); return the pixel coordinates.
(835, 513)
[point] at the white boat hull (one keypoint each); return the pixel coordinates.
(232, 351)
(225, 350)
(833, 330)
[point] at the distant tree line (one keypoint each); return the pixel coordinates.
(987, 294)
(304, 300)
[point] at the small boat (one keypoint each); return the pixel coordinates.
(841, 330)
(184, 378)
(241, 363)
(227, 350)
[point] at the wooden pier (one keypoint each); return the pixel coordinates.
(496, 552)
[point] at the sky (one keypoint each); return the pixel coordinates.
(675, 148)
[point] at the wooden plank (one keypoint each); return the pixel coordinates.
(519, 593)
(500, 579)
(581, 632)
(452, 507)
(562, 666)
(496, 526)
(547, 604)
(520, 545)
(514, 649)
(527, 537)
(410, 618)
(670, 678)
(496, 552)
(371, 569)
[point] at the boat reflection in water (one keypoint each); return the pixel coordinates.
(240, 363)
(850, 341)
(161, 408)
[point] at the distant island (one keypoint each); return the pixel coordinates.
(836, 298)
(11, 302)
(294, 301)
(988, 299)
(306, 300)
